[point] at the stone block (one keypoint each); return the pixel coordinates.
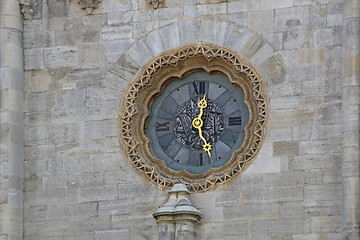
(328, 37)
(276, 4)
(226, 229)
(112, 235)
(117, 19)
(324, 192)
(81, 225)
(170, 36)
(98, 193)
(264, 165)
(154, 42)
(311, 56)
(261, 21)
(265, 52)
(69, 38)
(215, 31)
(280, 226)
(238, 38)
(37, 135)
(334, 20)
(274, 39)
(135, 189)
(116, 207)
(109, 33)
(297, 39)
(96, 130)
(314, 16)
(226, 198)
(237, 6)
(38, 81)
(273, 69)
(91, 35)
(56, 57)
(140, 52)
(140, 29)
(189, 31)
(51, 196)
(56, 24)
(70, 99)
(351, 9)
(251, 211)
(142, 16)
(34, 212)
(194, 10)
(286, 148)
(273, 195)
(292, 209)
(168, 13)
(238, 18)
(288, 19)
(125, 67)
(76, 165)
(290, 118)
(11, 36)
(91, 55)
(71, 210)
(211, 1)
(326, 224)
(38, 39)
(116, 6)
(213, 9)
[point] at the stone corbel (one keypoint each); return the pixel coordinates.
(26, 10)
(89, 5)
(178, 218)
(155, 3)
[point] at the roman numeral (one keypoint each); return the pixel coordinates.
(161, 127)
(199, 88)
(234, 121)
(200, 159)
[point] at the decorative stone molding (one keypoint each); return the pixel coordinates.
(155, 3)
(178, 218)
(89, 5)
(149, 83)
(26, 10)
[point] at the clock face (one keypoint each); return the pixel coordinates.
(198, 122)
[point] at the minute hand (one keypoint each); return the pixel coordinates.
(198, 122)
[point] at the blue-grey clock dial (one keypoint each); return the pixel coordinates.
(171, 129)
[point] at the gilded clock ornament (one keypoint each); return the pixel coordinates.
(194, 115)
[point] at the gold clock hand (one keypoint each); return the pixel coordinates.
(198, 122)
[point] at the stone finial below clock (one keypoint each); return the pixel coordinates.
(89, 5)
(178, 218)
(26, 10)
(155, 3)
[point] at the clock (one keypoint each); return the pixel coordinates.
(195, 115)
(198, 122)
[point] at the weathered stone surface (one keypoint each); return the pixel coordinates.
(77, 185)
(261, 21)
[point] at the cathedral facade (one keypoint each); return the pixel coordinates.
(179, 119)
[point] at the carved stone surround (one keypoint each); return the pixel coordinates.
(150, 81)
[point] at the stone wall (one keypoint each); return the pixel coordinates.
(78, 186)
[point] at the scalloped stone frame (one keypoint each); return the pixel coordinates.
(149, 82)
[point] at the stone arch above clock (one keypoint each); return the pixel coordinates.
(139, 72)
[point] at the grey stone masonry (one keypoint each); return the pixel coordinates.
(351, 120)
(63, 74)
(11, 121)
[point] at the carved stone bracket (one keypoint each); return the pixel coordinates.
(26, 10)
(178, 218)
(155, 3)
(89, 5)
